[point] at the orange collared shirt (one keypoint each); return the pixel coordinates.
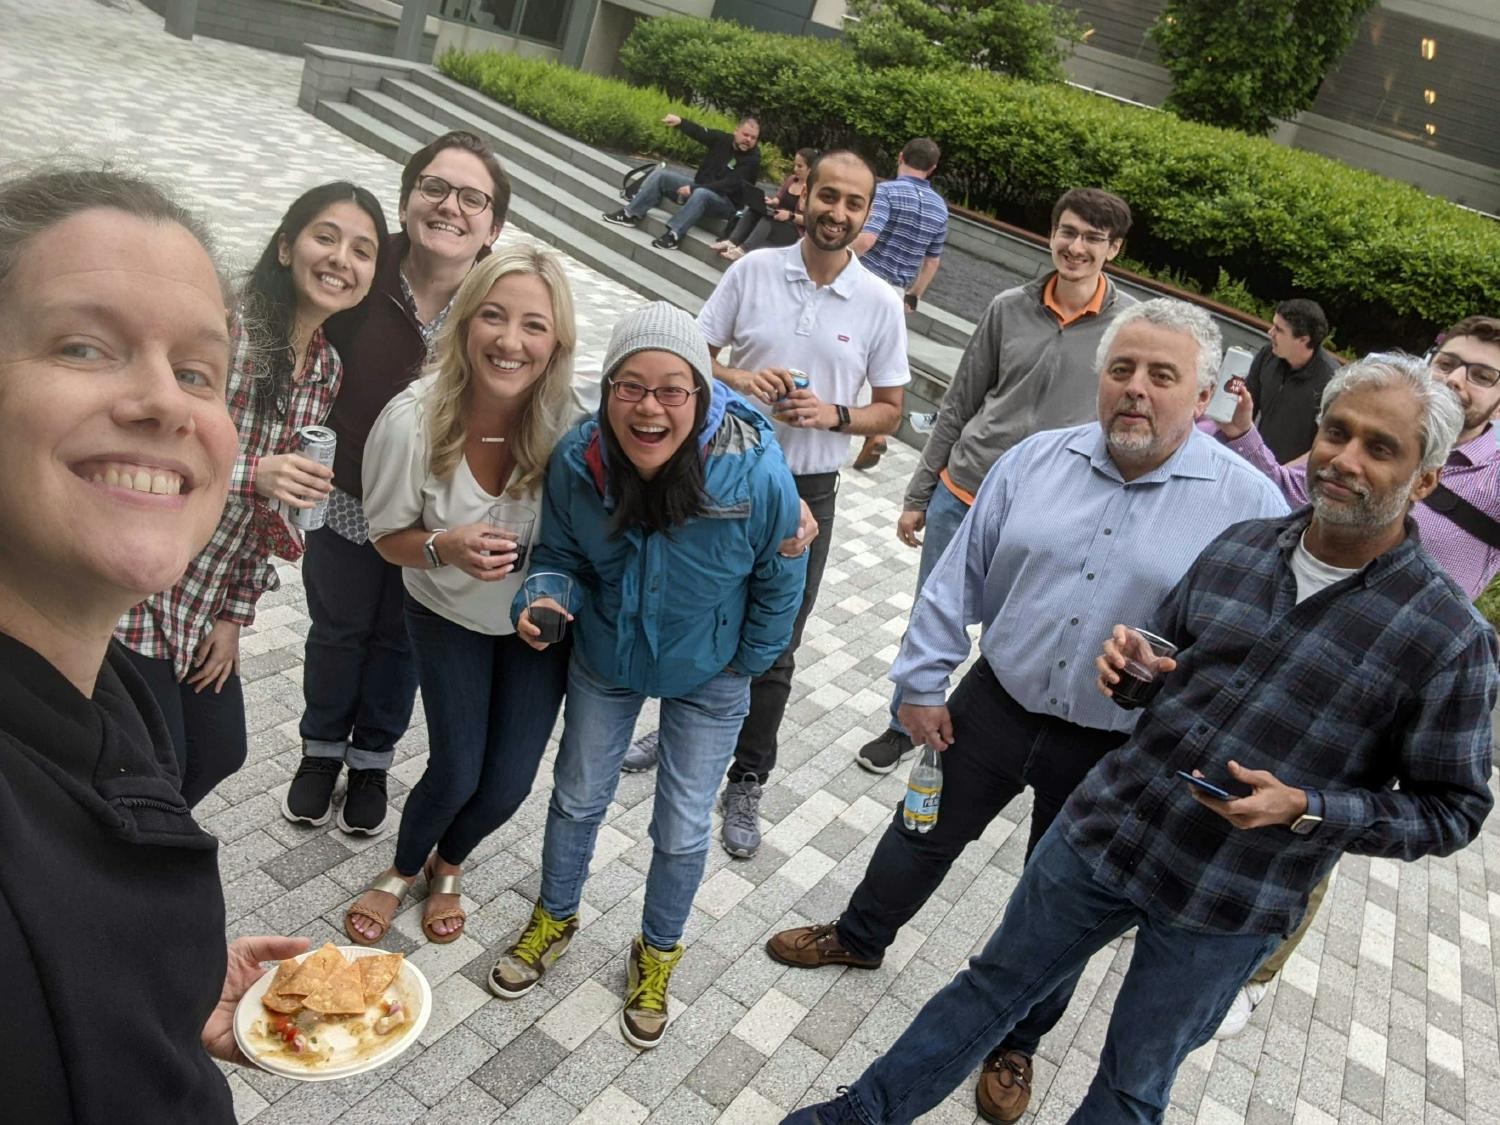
(1096, 302)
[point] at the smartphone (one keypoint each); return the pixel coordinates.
(1229, 791)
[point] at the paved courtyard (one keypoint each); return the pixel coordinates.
(1386, 1013)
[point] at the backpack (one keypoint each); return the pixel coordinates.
(631, 182)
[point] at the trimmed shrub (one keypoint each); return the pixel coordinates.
(598, 111)
(1388, 263)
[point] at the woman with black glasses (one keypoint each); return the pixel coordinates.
(666, 517)
(359, 679)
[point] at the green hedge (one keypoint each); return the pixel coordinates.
(1389, 263)
(599, 111)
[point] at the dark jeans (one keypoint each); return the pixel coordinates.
(755, 752)
(208, 730)
(1177, 989)
(490, 704)
(998, 749)
(755, 230)
(359, 681)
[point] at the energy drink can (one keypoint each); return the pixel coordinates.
(318, 444)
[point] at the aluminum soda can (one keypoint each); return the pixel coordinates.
(318, 444)
(800, 381)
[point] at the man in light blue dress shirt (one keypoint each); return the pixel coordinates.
(1072, 531)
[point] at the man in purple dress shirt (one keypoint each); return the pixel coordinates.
(1468, 361)
(1457, 525)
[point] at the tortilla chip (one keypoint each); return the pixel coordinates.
(314, 971)
(342, 993)
(377, 972)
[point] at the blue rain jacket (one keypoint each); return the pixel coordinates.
(662, 614)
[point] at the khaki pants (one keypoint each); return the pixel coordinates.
(1277, 961)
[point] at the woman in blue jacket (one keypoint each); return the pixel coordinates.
(668, 512)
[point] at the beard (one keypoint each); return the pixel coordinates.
(1368, 512)
(1133, 441)
(823, 240)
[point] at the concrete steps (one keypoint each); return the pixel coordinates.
(560, 190)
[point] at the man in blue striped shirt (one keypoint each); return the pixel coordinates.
(1329, 674)
(903, 239)
(1072, 530)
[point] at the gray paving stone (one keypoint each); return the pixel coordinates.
(293, 868)
(444, 1066)
(519, 1066)
(725, 1071)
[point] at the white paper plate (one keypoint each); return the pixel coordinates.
(410, 987)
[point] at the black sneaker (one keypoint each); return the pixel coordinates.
(885, 751)
(621, 219)
(309, 799)
(667, 241)
(364, 810)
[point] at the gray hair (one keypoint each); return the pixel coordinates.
(33, 202)
(1179, 316)
(1442, 415)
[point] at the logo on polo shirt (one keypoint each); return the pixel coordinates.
(843, 339)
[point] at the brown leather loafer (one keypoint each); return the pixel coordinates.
(1004, 1089)
(810, 947)
(870, 453)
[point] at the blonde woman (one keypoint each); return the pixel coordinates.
(477, 428)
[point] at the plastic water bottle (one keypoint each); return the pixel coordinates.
(923, 423)
(924, 791)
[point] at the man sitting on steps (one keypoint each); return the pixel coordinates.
(732, 159)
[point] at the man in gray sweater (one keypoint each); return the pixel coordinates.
(1029, 366)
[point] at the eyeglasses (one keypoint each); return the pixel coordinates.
(1091, 237)
(435, 189)
(627, 391)
(1480, 374)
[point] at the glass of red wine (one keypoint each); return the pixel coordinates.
(1138, 679)
(548, 595)
(514, 521)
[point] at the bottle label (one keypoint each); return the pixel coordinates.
(922, 802)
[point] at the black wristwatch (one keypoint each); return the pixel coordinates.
(843, 422)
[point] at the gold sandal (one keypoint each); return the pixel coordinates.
(443, 885)
(389, 884)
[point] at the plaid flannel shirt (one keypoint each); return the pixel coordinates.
(1384, 679)
(228, 576)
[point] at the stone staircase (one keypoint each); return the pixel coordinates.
(560, 188)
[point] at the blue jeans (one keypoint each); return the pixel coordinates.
(696, 739)
(490, 704)
(359, 682)
(1177, 989)
(664, 183)
(945, 512)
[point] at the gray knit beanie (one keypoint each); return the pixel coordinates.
(660, 327)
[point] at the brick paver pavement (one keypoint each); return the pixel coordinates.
(1387, 1013)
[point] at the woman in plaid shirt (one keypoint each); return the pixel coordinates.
(283, 376)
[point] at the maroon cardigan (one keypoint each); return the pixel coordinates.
(380, 343)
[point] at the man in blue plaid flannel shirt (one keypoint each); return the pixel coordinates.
(1327, 670)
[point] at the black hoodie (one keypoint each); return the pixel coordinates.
(112, 947)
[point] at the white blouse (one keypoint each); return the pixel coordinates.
(401, 493)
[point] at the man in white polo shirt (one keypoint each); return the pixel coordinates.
(809, 307)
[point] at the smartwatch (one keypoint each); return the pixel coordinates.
(1307, 823)
(434, 560)
(843, 422)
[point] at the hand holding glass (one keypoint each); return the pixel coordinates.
(547, 598)
(1137, 678)
(513, 521)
